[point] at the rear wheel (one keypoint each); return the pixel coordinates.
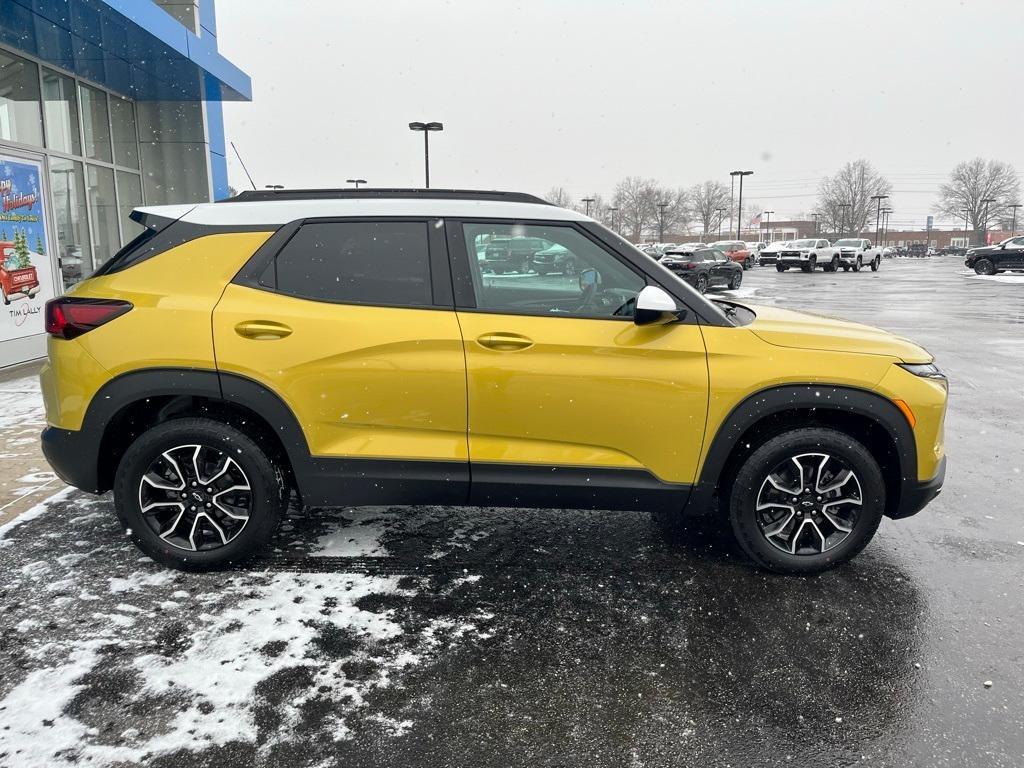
(702, 283)
(806, 500)
(875, 264)
(197, 494)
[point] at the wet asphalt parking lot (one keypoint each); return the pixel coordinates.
(454, 637)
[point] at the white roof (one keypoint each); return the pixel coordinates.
(277, 212)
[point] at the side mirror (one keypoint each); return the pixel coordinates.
(655, 307)
(590, 279)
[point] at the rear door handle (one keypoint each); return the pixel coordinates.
(504, 342)
(262, 330)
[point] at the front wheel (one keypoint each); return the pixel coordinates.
(858, 264)
(197, 494)
(702, 283)
(735, 280)
(781, 267)
(810, 265)
(806, 500)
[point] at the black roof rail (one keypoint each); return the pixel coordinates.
(262, 195)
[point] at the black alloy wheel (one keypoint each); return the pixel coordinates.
(702, 283)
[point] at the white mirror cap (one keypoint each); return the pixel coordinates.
(655, 299)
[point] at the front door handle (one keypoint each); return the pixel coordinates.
(262, 330)
(504, 342)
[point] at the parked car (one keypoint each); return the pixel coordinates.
(737, 251)
(855, 252)
(808, 254)
(512, 254)
(755, 249)
(918, 250)
(1007, 255)
(556, 258)
(770, 253)
(704, 268)
(15, 281)
(889, 252)
(335, 353)
(951, 250)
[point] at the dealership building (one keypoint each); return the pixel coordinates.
(104, 105)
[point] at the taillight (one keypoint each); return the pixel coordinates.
(70, 316)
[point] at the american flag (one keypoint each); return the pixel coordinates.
(756, 221)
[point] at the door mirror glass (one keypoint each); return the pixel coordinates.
(590, 279)
(655, 307)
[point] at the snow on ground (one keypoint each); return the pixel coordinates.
(1006, 277)
(200, 660)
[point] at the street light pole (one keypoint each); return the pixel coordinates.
(967, 224)
(885, 222)
(612, 211)
(357, 182)
(1013, 219)
(661, 221)
(878, 213)
(588, 201)
(815, 217)
(739, 210)
(426, 128)
(767, 225)
(721, 215)
(984, 220)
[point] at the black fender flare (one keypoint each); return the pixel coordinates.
(815, 397)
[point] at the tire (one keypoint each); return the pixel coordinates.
(245, 464)
(781, 267)
(832, 266)
(846, 268)
(875, 264)
(702, 283)
(811, 264)
(736, 280)
(498, 270)
(858, 265)
(984, 267)
(775, 457)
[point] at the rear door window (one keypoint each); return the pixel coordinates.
(357, 262)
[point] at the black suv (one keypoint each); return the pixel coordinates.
(512, 254)
(991, 259)
(704, 268)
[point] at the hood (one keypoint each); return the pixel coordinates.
(805, 330)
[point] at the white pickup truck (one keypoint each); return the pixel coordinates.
(808, 254)
(857, 252)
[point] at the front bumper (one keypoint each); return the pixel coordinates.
(73, 457)
(916, 494)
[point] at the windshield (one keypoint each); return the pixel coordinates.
(850, 243)
(804, 243)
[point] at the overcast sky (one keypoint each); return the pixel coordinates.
(581, 93)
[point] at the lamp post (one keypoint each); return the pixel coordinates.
(721, 215)
(984, 220)
(885, 222)
(588, 201)
(661, 221)
(275, 186)
(426, 128)
(612, 211)
(878, 213)
(739, 209)
(1013, 219)
(357, 182)
(842, 218)
(967, 224)
(767, 225)
(815, 217)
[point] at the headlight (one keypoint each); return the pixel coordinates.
(926, 371)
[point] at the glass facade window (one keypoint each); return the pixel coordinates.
(20, 117)
(95, 123)
(67, 189)
(129, 197)
(122, 120)
(102, 203)
(60, 105)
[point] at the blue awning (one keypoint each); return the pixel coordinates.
(132, 47)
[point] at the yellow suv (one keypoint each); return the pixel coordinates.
(349, 347)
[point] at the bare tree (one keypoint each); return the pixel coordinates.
(705, 201)
(670, 209)
(635, 198)
(559, 196)
(974, 181)
(844, 200)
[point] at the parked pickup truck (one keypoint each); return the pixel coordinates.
(809, 254)
(857, 252)
(13, 281)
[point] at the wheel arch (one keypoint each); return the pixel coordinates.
(133, 402)
(864, 415)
